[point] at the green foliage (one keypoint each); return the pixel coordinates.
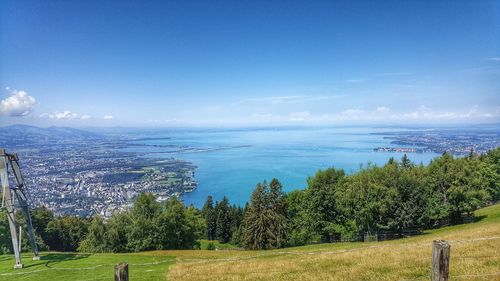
(395, 197)
(95, 239)
(491, 173)
(223, 231)
(299, 230)
(256, 233)
(66, 232)
(5, 242)
(177, 227)
(277, 212)
(196, 221)
(211, 246)
(459, 186)
(334, 206)
(210, 216)
(320, 206)
(410, 205)
(236, 234)
(116, 236)
(406, 162)
(265, 219)
(149, 225)
(365, 199)
(236, 214)
(144, 227)
(40, 218)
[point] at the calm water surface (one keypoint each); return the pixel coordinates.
(232, 162)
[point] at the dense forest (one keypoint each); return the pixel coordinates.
(397, 197)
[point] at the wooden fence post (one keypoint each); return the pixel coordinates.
(121, 272)
(440, 260)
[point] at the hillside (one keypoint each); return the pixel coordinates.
(25, 135)
(475, 255)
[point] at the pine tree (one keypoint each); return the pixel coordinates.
(277, 213)
(391, 161)
(406, 162)
(236, 216)
(209, 214)
(265, 219)
(255, 232)
(223, 231)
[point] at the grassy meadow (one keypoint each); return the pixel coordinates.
(475, 255)
(80, 267)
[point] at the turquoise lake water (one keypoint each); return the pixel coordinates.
(231, 162)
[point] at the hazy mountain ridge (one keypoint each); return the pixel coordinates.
(25, 135)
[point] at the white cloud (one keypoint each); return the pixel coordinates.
(379, 114)
(382, 109)
(84, 117)
(166, 121)
(19, 103)
(64, 115)
(108, 117)
(425, 113)
(300, 116)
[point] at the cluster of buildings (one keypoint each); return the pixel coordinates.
(397, 149)
(439, 141)
(87, 182)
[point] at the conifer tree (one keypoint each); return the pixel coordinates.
(255, 232)
(406, 162)
(277, 214)
(265, 218)
(209, 214)
(223, 231)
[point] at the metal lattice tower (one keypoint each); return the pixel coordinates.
(15, 199)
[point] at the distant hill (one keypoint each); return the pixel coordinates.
(25, 135)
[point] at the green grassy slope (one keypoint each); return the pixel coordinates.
(71, 266)
(475, 256)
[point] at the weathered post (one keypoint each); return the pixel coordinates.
(440, 260)
(121, 272)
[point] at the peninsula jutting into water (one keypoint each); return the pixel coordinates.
(249, 140)
(81, 172)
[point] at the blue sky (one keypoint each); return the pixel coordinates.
(241, 63)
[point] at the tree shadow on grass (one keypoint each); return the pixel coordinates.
(60, 257)
(45, 259)
(479, 218)
(12, 259)
(6, 257)
(54, 258)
